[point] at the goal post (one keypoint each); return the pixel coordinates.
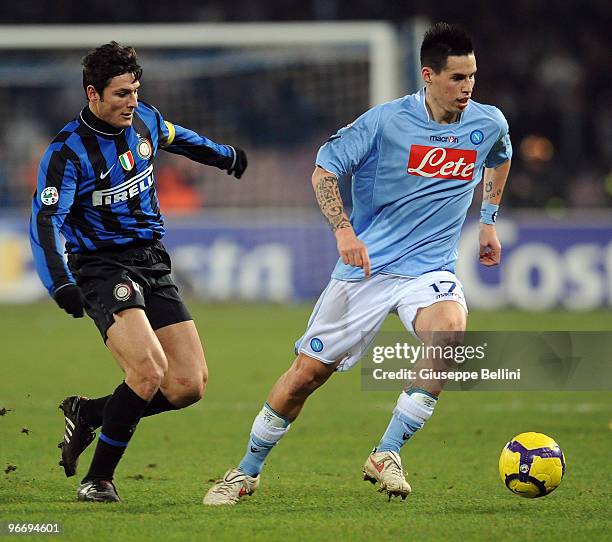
(381, 38)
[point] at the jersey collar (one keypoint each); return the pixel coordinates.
(427, 116)
(98, 125)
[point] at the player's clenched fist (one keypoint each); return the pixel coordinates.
(353, 251)
(239, 163)
(70, 298)
(490, 247)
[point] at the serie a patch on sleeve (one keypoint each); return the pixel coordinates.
(49, 196)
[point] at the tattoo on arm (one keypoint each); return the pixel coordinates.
(330, 202)
(492, 195)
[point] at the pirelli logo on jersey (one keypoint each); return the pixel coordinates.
(124, 191)
(441, 163)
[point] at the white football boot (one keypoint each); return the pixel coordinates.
(231, 488)
(386, 468)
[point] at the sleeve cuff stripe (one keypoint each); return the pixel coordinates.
(62, 286)
(234, 160)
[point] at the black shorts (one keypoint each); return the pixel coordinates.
(118, 279)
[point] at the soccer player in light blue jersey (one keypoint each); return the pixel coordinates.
(415, 163)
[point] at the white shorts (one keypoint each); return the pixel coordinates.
(348, 315)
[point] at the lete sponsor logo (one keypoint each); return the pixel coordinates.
(441, 163)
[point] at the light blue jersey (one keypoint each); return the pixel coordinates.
(413, 180)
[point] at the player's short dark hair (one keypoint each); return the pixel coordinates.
(103, 63)
(441, 41)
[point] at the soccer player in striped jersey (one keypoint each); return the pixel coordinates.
(96, 187)
(415, 163)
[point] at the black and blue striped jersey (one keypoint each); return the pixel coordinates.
(97, 188)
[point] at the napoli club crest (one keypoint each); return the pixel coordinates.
(477, 137)
(316, 344)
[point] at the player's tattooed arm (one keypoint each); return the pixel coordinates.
(330, 202)
(351, 249)
(494, 183)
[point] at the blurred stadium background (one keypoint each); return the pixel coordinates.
(280, 88)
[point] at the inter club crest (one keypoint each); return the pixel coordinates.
(144, 148)
(122, 291)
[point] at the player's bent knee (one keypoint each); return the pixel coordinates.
(449, 332)
(442, 317)
(185, 393)
(146, 376)
(447, 338)
(149, 380)
(305, 376)
(452, 325)
(455, 320)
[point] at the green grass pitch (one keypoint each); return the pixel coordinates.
(311, 488)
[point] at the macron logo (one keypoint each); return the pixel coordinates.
(124, 191)
(443, 139)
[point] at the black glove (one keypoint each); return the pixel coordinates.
(70, 298)
(240, 163)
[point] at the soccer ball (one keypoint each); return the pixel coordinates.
(531, 465)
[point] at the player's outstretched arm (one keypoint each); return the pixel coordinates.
(352, 251)
(494, 183)
(196, 147)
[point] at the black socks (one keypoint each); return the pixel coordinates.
(158, 404)
(92, 410)
(121, 414)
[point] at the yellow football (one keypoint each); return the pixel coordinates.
(531, 465)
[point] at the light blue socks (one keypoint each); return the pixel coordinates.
(413, 409)
(268, 428)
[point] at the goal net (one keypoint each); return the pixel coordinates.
(278, 90)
